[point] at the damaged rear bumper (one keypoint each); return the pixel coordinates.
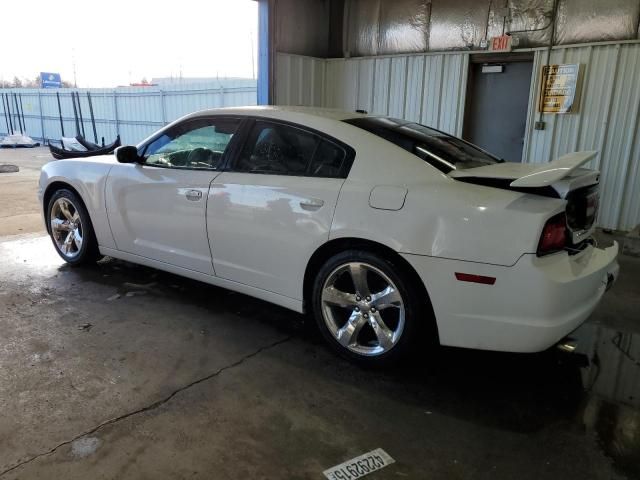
(531, 306)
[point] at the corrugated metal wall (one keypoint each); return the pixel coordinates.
(607, 121)
(133, 112)
(431, 88)
(299, 80)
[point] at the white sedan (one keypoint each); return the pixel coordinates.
(394, 235)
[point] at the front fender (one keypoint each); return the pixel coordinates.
(87, 177)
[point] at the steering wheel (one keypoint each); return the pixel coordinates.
(201, 157)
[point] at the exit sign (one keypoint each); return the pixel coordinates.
(500, 44)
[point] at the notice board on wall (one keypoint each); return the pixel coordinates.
(559, 88)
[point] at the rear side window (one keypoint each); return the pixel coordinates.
(279, 149)
(328, 161)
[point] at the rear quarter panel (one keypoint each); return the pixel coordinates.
(441, 217)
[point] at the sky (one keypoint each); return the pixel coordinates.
(116, 42)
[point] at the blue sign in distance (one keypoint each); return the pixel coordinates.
(50, 80)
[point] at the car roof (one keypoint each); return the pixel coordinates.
(277, 111)
(327, 120)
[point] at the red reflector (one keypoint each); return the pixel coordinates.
(468, 277)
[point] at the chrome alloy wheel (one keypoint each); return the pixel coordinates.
(363, 309)
(66, 227)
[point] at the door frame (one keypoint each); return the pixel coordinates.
(250, 120)
(493, 58)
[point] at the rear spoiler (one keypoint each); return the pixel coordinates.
(554, 171)
(528, 175)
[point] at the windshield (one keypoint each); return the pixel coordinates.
(443, 151)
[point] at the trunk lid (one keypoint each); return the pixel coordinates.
(562, 178)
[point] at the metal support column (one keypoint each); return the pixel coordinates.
(264, 53)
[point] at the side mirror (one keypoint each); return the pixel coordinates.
(128, 154)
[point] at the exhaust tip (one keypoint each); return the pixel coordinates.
(567, 345)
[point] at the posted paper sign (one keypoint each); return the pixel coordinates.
(559, 88)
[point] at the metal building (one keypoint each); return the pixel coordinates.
(475, 69)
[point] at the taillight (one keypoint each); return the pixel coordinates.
(554, 235)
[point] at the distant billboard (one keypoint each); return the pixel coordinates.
(50, 80)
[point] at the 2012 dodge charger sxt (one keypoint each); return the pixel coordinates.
(393, 234)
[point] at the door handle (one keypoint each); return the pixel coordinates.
(193, 195)
(311, 203)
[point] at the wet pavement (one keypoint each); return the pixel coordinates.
(611, 407)
(121, 371)
(18, 190)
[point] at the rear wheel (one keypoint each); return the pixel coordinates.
(70, 228)
(366, 309)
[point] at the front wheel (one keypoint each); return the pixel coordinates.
(366, 309)
(70, 228)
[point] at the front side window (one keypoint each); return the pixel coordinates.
(443, 151)
(196, 144)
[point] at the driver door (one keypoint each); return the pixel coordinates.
(157, 208)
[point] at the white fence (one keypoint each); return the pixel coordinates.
(132, 112)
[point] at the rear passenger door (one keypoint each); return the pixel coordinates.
(273, 207)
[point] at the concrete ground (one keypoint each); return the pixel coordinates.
(18, 190)
(121, 371)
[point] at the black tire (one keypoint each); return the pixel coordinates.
(88, 251)
(418, 326)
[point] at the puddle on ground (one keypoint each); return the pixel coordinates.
(612, 385)
(85, 446)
